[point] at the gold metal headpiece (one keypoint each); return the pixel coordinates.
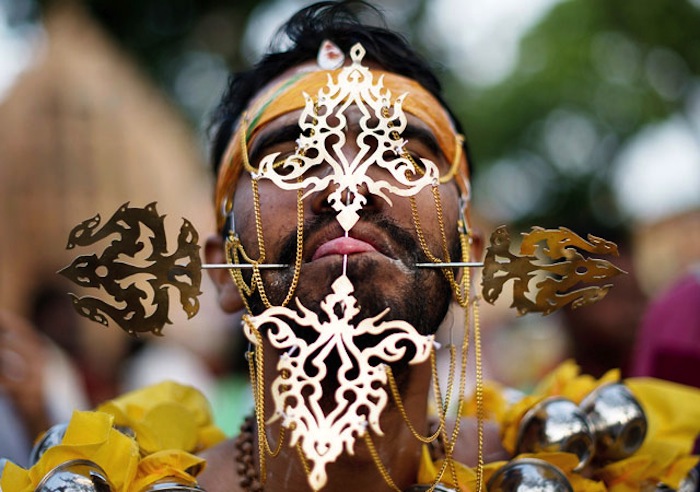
(321, 143)
(138, 274)
(556, 273)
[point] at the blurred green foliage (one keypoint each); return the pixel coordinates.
(590, 76)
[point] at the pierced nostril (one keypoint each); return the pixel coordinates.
(321, 200)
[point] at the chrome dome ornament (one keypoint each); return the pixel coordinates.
(617, 421)
(52, 437)
(691, 482)
(76, 476)
(529, 475)
(556, 424)
(172, 484)
(438, 487)
(688, 484)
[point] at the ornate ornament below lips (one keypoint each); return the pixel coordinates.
(360, 380)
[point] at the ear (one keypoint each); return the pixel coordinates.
(477, 244)
(476, 249)
(230, 299)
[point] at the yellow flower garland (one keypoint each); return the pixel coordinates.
(170, 421)
(673, 415)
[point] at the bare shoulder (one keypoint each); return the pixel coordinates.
(220, 474)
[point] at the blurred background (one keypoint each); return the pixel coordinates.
(581, 113)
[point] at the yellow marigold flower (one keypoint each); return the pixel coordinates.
(166, 416)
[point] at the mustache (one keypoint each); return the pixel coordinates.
(408, 246)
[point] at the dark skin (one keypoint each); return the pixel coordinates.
(384, 272)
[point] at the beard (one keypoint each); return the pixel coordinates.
(419, 296)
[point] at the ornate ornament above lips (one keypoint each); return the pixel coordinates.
(323, 123)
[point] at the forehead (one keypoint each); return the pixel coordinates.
(335, 93)
(285, 129)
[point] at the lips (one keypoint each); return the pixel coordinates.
(343, 246)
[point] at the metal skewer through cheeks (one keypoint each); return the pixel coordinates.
(136, 267)
(272, 266)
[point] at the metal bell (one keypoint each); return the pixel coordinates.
(425, 488)
(618, 422)
(172, 484)
(529, 475)
(556, 424)
(51, 437)
(688, 484)
(76, 476)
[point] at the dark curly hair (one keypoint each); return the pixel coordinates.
(301, 36)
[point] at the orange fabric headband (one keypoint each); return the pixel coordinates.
(287, 96)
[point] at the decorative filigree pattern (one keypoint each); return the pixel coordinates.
(323, 124)
(557, 288)
(360, 395)
(133, 271)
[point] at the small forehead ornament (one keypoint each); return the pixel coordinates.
(330, 56)
(323, 124)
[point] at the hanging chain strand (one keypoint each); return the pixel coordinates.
(378, 462)
(479, 397)
(402, 410)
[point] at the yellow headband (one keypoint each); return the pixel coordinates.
(286, 97)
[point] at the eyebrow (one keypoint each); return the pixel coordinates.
(423, 135)
(291, 132)
(283, 134)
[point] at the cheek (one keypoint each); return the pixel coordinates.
(277, 213)
(434, 209)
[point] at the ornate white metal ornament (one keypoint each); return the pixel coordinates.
(323, 124)
(360, 395)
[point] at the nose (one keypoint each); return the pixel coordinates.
(341, 194)
(348, 192)
(348, 197)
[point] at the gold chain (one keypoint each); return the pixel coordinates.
(461, 290)
(256, 367)
(402, 410)
(304, 462)
(441, 221)
(378, 462)
(300, 242)
(452, 441)
(479, 398)
(234, 245)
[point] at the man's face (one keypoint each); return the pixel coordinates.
(381, 249)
